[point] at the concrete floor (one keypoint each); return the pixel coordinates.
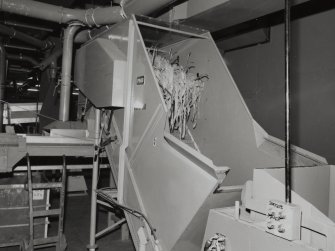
(77, 225)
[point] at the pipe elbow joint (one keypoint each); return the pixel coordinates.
(48, 44)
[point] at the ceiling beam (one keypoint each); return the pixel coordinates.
(298, 11)
(165, 8)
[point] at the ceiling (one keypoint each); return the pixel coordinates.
(229, 19)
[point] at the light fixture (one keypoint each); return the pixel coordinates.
(75, 93)
(37, 85)
(32, 90)
(19, 83)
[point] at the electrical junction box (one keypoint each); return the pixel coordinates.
(100, 72)
(283, 220)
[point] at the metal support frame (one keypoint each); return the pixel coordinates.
(110, 228)
(31, 217)
(58, 241)
(288, 180)
(92, 245)
(62, 206)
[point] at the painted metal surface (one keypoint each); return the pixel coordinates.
(229, 13)
(13, 147)
(312, 191)
(242, 235)
(18, 113)
(162, 176)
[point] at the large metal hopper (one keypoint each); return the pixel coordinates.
(170, 180)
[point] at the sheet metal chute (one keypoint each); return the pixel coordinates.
(173, 181)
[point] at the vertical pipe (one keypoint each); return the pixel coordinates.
(92, 246)
(2, 82)
(288, 180)
(62, 202)
(31, 217)
(65, 94)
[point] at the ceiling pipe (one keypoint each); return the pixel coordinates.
(49, 59)
(85, 35)
(19, 69)
(65, 95)
(90, 17)
(2, 82)
(19, 47)
(27, 26)
(22, 58)
(12, 33)
(144, 7)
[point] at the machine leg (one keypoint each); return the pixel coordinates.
(30, 245)
(92, 245)
(112, 219)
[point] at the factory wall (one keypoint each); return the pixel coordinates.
(259, 74)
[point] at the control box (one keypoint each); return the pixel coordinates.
(283, 219)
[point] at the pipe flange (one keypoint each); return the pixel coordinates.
(97, 25)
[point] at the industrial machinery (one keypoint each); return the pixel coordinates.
(169, 175)
(266, 223)
(190, 167)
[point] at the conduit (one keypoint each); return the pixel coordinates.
(22, 58)
(90, 17)
(19, 69)
(27, 26)
(12, 33)
(85, 35)
(65, 94)
(20, 47)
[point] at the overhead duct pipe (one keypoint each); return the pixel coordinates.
(12, 33)
(19, 47)
(85, 35)
(64, 109)
(22, 58)
(144, 7)
(59, 14)
(19, 69)
(51, 58)
(2, 82)
(27, 26)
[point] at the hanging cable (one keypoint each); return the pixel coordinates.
(102, 193)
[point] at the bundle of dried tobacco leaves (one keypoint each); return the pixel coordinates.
(181, 91)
